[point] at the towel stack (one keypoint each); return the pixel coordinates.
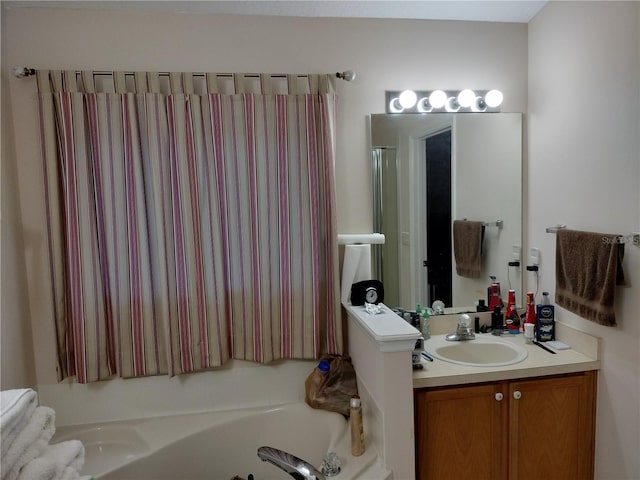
(26, 429)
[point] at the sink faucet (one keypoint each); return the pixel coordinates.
(464, 330)
(294, 466)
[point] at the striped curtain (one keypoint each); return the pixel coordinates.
(190, 220)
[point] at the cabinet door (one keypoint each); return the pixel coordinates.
(552, 428)
(461, 432)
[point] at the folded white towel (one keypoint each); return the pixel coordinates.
(60, 461)
(68, 474)
(29, 443)
(16, 407)
(38, 469)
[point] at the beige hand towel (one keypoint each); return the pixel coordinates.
(467, 247)
(588, 268)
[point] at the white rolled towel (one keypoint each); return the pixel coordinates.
(16, 408)
(29, 443)
(60, 461)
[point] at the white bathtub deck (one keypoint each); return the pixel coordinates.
(112, 448)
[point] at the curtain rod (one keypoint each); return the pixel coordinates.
(22, 72)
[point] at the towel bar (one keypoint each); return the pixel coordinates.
(633, 237)
(556, 228)
(497, 223)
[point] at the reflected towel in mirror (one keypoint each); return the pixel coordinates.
(467, 247)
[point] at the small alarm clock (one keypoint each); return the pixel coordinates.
(369, 291)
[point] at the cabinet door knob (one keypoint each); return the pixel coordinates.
(499, 396)
(517, 394)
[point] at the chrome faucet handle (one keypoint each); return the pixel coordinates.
(463, 331)
(331, 465)
(464, 320)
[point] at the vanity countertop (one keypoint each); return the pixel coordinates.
(582, 356)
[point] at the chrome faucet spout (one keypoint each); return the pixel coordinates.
(294, 466)
(464, 330)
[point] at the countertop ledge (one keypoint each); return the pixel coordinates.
(584, 355)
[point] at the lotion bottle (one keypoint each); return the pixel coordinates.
(357, 431)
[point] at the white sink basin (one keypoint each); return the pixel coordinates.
(483, 351)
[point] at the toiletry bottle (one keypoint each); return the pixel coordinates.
(314, 382)
(495, 298)
(490, 291)
(512, 319)
(357, 431)
(530, 314)
(425, 324)
(481, 306)
(496, 321)
(545, 320)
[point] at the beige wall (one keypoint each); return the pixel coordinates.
(15, 329)
(584, 171)
(583, 168)
(385, 54)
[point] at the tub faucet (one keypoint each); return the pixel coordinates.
(294, 466)
(464, 330)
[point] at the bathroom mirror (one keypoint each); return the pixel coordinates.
(429, 170)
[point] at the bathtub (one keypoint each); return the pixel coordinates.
(219, 445)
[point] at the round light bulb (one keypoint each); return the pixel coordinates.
(437, 99)
(408, 98)
(493, 98)
(466, 98)
(394, 106)
(479, 105)
(424, 106)
(452, 105)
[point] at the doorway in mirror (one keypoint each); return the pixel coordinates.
(437, 218)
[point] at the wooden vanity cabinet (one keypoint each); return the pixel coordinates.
(537, 428)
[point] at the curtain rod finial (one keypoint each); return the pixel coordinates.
(22, 72)
(347, 75)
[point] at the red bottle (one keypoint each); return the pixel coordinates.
(530, 314)
(512, 319)
(495, 297)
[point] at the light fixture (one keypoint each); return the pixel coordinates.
(452, 105)
(408, 99)
(393, 106)
(493, 98)
(444, 101)
(438, 99)
(479, 105)
(424, 106)
(466, 98)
